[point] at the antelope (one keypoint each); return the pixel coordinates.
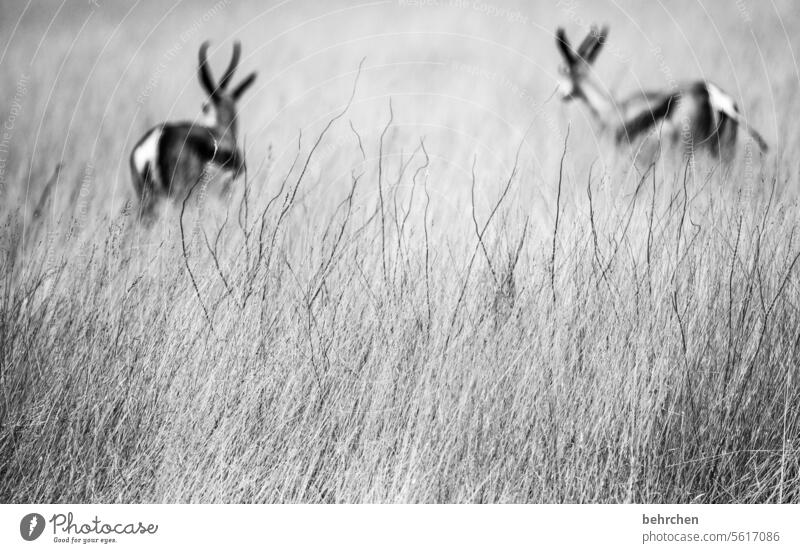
(171, 157)
(699, 113)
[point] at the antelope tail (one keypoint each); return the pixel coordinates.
(722, 102)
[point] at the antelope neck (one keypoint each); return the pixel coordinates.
(600, 103)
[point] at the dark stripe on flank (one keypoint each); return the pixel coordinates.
(647, 119)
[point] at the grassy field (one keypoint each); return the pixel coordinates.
(448, 289)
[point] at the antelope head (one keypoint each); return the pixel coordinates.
(219, 111)
(577, 64)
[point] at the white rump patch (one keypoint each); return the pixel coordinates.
(722, 101)
(147, 152)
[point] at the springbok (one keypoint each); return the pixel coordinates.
(699, 113)
(171, 157)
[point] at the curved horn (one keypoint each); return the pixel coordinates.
(588, 42)
(204, 72)
(226, 77)
(563, 44)
(600, 39)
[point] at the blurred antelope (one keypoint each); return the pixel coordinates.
(698, 113)
(171, 157)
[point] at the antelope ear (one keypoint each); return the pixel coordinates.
(204, 72)
(600, 38)
(563, 44)
(243, 86)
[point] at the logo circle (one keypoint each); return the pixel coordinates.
(31, 526)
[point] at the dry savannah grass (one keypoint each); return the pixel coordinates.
(435, 283)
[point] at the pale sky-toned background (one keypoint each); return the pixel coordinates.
(468, 75)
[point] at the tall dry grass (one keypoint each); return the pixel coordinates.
(377, 316)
